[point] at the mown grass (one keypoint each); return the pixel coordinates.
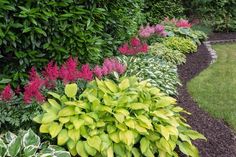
(215, 88)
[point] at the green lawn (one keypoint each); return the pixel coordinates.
(215, 88)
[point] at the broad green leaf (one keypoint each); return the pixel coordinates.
(30, 150)
(78, 123)
(136, 152)
(14, 147)
(95, 142)
(119, 149)
(64, 120)
(38, 118)
(30, 138)
(44, 128)
(110, 152)
(146, 121)
(127, 137)
(62, 154)
(74, 134)
(67, 111)
(55, 129)
(124, 84)
(119, 117)
(90, 150)
(164, 145)
(55, 95)
(48, 108)
(81, 150)
(130, 123)
(144, 145)
(3, 148)
(71, 90)
(71, 145)
(62, 137)
(138, 106)
(194, 135)
(111, 85)
(188, 149)
(49, 117)
(54, 104)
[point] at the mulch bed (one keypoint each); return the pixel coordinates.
(221, 140)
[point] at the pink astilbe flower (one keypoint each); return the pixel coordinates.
(51, 74)
(172, 21)
(85, 73)
(18, 90)
(146, 31)
(98, 72)
(32, 91)
(104, 70)
(69, 72)
(7, 93)
(183, 23)
(124, 48)
(33, 74)
(144, 48)
(135, 42)
(120, 68)
(135, 47)
(163, 34)
(108, 64)
(159, 28)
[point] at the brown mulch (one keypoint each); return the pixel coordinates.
(221, 140)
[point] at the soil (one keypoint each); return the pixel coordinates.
(221, 139)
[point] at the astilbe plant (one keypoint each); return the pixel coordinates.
(183, 23)
(134, 47)
(7, 93)
(148, 31)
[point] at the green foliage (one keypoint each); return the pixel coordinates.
(158, 72)
(157, 10)
(167, 54)
(221, 14)
(184, 45)
(14, 114)
(125, 118)
(34, 32)
(28, 144)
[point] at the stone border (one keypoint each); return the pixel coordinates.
(212, 52)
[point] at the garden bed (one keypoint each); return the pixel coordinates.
(221, 140)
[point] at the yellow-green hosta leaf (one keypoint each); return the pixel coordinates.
(164, 145)
(124, 84)
(110, 152)
(164, 132)
(80, 149)
(122, 111)
(136, 152)
(67, 111)
(48, 108)
(144, 145)
(44, 128)
(188, 149)
(87, 119)
(119, 117)
(194, 135)
(90, 150)
(141, 129)
(78, 123)
(38, 118)
(138, 106)
(54, 104)
(127, 137)
(145, 121)
(130, 123)
(62, 137)
(64, 120)
(54, 129)
(172, 130)
(71, 145)
(71, 90)
(111, 85)
(95, 142)
(49, 117)
(74, 134)
(55, 95)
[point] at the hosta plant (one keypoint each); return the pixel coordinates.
(28, 144)
(124, 118)
(167, 54)
(158, 72)
(184, 45)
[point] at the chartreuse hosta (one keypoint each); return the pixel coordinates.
(123, 119)
(27, 144)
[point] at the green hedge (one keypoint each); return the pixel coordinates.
(220, 14)
(34, 32)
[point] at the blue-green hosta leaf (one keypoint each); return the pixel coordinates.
(30, 138)
(14, 147)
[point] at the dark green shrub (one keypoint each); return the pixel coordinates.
(157, 10)
(33, 32)
(221, 14)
